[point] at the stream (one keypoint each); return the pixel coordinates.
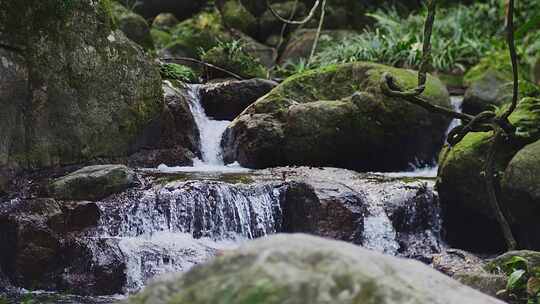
(190, 214)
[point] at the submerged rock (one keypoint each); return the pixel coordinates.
(93, 182)
(337, 116)
(304, 269)
(226, 100)
(80, 90)
(469, 220)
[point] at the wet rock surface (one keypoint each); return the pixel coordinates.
(338, 116)
(171, 222)
(93, 182)
(226, 100)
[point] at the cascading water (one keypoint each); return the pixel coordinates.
(173, 227)
(210, 131)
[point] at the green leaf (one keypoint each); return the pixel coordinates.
(515, 280)
(516, 262)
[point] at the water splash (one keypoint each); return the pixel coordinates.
(172, 227)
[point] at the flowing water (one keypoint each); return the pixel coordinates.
(431, 171)
(211, 132)
(170, 227)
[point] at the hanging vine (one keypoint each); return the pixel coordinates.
(485, 121)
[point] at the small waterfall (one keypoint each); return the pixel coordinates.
(174, 227)
(210, 131)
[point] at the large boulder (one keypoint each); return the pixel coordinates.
(226, 100)
(338, 116)
(93, 182)
(38, 251)
(72, 87)
(468, 217)
(304, 269)
(521, 186)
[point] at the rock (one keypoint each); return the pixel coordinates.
(467, 215)
(233, 58)
(304, 269)
(182, 9)
(487, 283)
(453, 261)
(491, 89)
(499, 263)
(165, 21)
(522, 194)
(318, 118)
(30, 246)
(173, 138)
(93, 182)
(236, 16)
(79, 91)
(490, 84)
(266, 55)
(40, 250)
(301, 42)
(270, 25)
(226, 100)
(341, 219)
(201, 32)
(134, 26)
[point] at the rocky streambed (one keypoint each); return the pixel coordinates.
(167, 222)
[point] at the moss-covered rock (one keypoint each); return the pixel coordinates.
(467, 214)
(521, 187)
(232, 57)
(338, 116)
(235, 15)
(490, 84)
(301, 42)
(303, 269)
(93, 182)
(80, 89)
(201, 32)
(165, 21)
(161, 38)
(134, 26)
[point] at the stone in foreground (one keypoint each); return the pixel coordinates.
(303, 269)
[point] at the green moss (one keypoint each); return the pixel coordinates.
(160, 38)
(461, 169)
(173, 71)
(235, 15)
(232, 57)
(202, 32)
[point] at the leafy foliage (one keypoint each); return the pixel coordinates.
(523, 284)
(232, 57)
(398, 41)
(179, 72)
